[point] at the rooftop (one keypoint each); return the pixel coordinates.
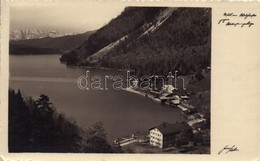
(167, 128)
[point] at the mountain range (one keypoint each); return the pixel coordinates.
(35, 34)
(47, 45)
(149, 40)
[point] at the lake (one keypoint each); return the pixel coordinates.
(121, 112)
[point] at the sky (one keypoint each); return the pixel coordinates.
(62, 17)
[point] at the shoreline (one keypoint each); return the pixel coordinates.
(95, 67)
(131, 90)
(147, 94)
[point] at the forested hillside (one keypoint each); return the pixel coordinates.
(129, 21)
(182, 42)
(15, 49)
(36, 126)
(150, 41)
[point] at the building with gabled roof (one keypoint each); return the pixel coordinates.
(168, 135)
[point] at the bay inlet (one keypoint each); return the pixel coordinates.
(121, 112)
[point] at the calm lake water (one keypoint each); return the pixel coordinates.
(121, 112)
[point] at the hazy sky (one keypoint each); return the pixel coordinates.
(64, 17)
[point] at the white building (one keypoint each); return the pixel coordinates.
(168, 88)
(156, 138)
(165, 135)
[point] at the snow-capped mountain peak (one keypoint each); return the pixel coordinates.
(35, 34)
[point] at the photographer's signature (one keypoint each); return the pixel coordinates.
(228, 149)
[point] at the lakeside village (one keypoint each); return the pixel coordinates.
(189, 136)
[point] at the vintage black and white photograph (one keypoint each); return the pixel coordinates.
(109, 79)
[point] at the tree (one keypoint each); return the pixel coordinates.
(19, 125)
(44, 106)
(96, 140)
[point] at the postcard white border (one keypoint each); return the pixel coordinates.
(235, 92)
